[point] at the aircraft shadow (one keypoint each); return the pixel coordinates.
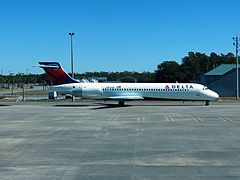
(109, 106)
(3, 105)
(168, 105)
(72, 105)
(105, 105)
(99, 106)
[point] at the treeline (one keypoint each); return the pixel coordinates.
(23, 78)
(125, 76)
(193, 65)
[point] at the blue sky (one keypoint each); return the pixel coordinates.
(113, 35)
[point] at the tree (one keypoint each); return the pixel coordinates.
(168, 71)
(214, 60)
(228, 59)
(194, 65)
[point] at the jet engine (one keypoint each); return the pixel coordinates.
(88, 92)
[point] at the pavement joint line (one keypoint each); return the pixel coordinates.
(196, 118)
(226, 119)
(169, 118)
(127, 117)
(59, 118)
(141, 118)
(111, 118)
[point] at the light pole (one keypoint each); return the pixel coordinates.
(11, 75)
(236, 44)
(27, 77)
(71, 34)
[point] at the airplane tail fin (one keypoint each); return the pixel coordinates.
(56, 74)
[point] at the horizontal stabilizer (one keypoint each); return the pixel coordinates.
(48, 66)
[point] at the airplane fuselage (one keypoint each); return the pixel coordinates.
(137, 91)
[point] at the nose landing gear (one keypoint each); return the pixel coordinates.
(207, 103)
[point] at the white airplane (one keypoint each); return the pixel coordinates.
(122, 92)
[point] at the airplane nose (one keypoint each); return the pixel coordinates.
(215, 95)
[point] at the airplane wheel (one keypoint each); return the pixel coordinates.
(207, 103)
(121, 103)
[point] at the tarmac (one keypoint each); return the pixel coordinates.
(143, 140)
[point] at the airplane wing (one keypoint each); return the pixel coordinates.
(126, 98)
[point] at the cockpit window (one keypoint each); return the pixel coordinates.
(205, 88)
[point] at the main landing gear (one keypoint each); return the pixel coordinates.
(207, 103)
(121, 103)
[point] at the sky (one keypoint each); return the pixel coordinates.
(112, 35)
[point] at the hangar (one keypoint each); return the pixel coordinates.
(222, 80)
